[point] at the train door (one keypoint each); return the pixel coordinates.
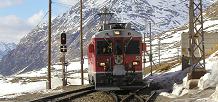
(118, 68)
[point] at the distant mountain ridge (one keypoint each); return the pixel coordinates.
(31, 52)
(5, 48)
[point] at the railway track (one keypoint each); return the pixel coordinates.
(132, 96)
(66, 96)
(151, 97)
(117, 96)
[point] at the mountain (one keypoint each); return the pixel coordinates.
(170, 41)
(5, 48)
(31, 52)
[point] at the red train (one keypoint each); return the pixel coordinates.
(115, 57)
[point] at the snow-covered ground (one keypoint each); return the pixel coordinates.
(175, 80)
(171, 80)
(35, 81)
(10, 90)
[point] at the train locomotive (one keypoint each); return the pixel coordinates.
(115, 57)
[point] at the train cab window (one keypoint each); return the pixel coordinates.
(118, 48)
(118, 26)
(104, 47)
(132, 48)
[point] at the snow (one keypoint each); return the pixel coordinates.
(166, 94)
(214, 96)
(34, 73)
(205, 100)
(5, 48)
(8, 88)
(169, 79)
(25, 85)
(76, 65)
(210, 79)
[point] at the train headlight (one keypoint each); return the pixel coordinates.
(117, 32)
(135, 63)
(102, 64)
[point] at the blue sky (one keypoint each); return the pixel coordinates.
(19, 17)
(25, 8)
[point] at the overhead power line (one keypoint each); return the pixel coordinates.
(42, 19)
(63, 4)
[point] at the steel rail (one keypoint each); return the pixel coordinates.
(131, 97)
(151, 97)
(114, 96)
(66, 95)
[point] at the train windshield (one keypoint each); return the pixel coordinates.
(132, 48)
(104, 47)
(118, 48)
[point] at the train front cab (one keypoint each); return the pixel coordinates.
(115, 63)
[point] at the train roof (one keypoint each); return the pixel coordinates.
(111, 33)
(108, 30)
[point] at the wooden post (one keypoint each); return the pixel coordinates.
(150, 56)
(49, 46)
(81, 40)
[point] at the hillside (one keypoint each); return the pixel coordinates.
(31, 52)
(5, 48)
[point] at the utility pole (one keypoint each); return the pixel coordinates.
(81, 40)
(49, 45)
(144, 60)
(196, 40)
(159, 49)
(150, 56)
(191, 29)
(178, 53)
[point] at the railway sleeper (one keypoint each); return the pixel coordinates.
(131, 97)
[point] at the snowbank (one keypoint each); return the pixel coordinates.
(16, 89)
(167, 80)
(12, 90)
(214, 96)
(210, 79)
(77, 65)
(180, 89)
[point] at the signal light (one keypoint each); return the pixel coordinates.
(63, 38)
(63, 48)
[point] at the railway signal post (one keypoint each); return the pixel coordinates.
(63, 49)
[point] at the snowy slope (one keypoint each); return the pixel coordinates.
(171, 39)
(31, 52)
(5, 48)
(35, 81)
(172, 80)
